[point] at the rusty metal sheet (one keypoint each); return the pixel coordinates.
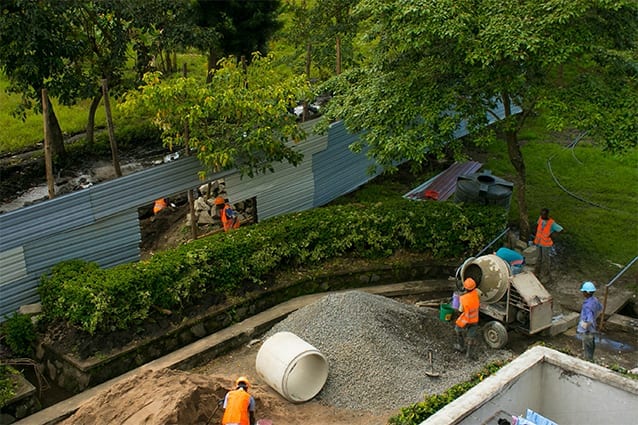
(442, 186)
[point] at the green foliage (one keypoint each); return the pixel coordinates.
(94, 299)
(7, 384)
(418, 412)
(19, 334)
(240, 120)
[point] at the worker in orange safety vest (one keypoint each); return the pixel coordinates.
(229, 217)
(467, 323)
(239, 405)
(159, 205)
(545, 228)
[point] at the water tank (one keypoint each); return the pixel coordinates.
(483, 188)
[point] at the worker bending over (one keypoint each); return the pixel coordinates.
(467, 323)
(229, 217)
(239, 406)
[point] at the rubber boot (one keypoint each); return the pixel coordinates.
(469, 354)
(460, 345)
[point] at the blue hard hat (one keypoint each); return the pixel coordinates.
(588, 287)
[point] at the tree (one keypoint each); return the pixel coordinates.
(437, 65)
(240, 120)
(36, 51)
(236, 27)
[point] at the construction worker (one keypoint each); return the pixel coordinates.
(159, 205)
(229, 218)
(467, 323)
(239, 405)
(545, 228)
(587, 324)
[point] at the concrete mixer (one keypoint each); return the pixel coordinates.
(508, 301)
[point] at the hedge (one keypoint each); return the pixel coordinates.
(95, 299)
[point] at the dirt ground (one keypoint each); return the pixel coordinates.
(190, 397)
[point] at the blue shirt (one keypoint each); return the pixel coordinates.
(588, 314)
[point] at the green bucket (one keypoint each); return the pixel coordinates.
(445, 313)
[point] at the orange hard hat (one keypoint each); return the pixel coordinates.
(469, 284)
(244, 380)
(219, 201)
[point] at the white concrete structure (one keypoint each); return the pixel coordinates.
(562, 388)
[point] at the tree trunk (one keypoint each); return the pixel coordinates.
(516, 158)
(338, 51)
(212, 64)
(48, 161)
(308, 60)
(90, 125)
(109, 124)
(55, 132)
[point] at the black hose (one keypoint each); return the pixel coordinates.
(573, 195)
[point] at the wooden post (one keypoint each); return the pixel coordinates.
(48, 161)
(191, 200)
(602, 314)
(109, 124)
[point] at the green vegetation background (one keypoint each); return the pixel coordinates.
(592, 193)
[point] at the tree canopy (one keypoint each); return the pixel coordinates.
(240, 120)
(436, 66)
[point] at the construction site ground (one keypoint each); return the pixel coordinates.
(132, 398)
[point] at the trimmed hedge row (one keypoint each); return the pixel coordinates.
(95, 299)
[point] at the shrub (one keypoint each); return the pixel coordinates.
(95, 299)
(7, 384)
(19, 334)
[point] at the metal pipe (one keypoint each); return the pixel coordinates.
(611, 282)
(620, 273)
(492, 243)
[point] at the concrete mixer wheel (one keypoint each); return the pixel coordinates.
(495, 334)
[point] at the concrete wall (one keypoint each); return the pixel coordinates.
(562, 388)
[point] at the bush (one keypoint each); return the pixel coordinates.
(19, 334)
(7, 384)
(103, 300)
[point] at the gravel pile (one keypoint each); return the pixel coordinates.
(377, 350)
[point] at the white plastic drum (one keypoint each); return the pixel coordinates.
(294, 368)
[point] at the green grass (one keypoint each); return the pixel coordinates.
(17, 134)
(593, 194)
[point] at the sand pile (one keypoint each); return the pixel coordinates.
(154, 397)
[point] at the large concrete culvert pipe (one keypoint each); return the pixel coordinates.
(294, 368)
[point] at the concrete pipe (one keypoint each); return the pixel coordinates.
(291, 366)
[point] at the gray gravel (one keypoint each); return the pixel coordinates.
(377, 350)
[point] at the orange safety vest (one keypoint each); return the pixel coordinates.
(470, 304)
(229, 223)
(159, 205)
(236, 412)
(542, 237)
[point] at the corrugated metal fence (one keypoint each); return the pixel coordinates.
(101, 223)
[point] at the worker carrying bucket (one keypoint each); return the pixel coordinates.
(467, 323)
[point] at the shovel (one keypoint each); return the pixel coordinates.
(431, 372)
